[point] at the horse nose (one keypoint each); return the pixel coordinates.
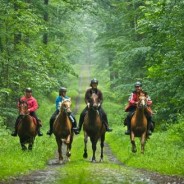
(69, 111)
(95, 105)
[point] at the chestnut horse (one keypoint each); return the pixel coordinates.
(27, 128)
(93, 128)
(139, 124)
(62, 129)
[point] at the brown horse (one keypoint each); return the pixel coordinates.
(139, 124)
(27, 128)
(93, 128)
(62, 129)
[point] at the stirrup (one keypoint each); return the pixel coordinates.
(149, 132)
(127, 132)
(40, 133)
(109, 129)
(14, 134)
(49, 132)
(75, 128)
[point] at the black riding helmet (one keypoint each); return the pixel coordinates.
(29, 90)
(62, 89)
(94, 81)
(138, 84)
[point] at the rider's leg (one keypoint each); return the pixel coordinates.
(105, 120)
(74, 123)
(81, 120)
(38, 121)
(14, 133)
(52, 119)
(149, 119)
(128, 122)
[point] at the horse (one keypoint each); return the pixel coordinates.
(93, 128)
(139, 124)
(27, 127)
(62, 129)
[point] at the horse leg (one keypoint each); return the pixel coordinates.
(30, 146)
(59, 143)
(102, 146)
(23, 144)
(85, 155)
(94, 142)
(143, 141)
(132, 137)
(68, 153)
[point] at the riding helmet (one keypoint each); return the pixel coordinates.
(62, 89)
(138, 84)
(94, 81)
(29, 90)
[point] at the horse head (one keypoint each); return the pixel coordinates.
(142, 103)
(23, 108)
(65, 106)
(94, 101)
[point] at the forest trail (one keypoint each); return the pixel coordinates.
(116, 173)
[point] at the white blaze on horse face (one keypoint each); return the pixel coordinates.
(143, 101)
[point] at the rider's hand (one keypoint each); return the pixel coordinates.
(88, 104)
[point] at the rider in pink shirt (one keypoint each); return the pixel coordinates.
(32, 107)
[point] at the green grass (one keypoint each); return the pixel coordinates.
(14, 161)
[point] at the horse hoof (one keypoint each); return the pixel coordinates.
(24, 148)
(134, 151)
(101, 160)
(61, 162)
(93, 161)
(68, 154)
(85, 155)
(68, 159)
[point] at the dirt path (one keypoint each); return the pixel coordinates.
(123, 174)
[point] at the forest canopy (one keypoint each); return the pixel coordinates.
(135, 40)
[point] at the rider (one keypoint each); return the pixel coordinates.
(59, 99)
(131, 107)
(89, 92)
(32, 107)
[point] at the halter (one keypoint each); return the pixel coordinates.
(142, 102)
(24, 105)
(65, 108)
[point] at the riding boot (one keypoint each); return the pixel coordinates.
(107, 127)
(49, 132)
(81, 120)
(39, 125)
(74, 124)
(14, 133)
(149, 126)
(127, 132)
(39, 132)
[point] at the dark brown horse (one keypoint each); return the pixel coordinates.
(62, 129)
(27, 128)
(139, 124)
(93, 128)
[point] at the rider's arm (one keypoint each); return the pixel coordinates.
(58, 102)
(33, 105)
(149, 101)
(132, 100)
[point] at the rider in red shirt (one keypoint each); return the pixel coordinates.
(131, 107)
(32, 107)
